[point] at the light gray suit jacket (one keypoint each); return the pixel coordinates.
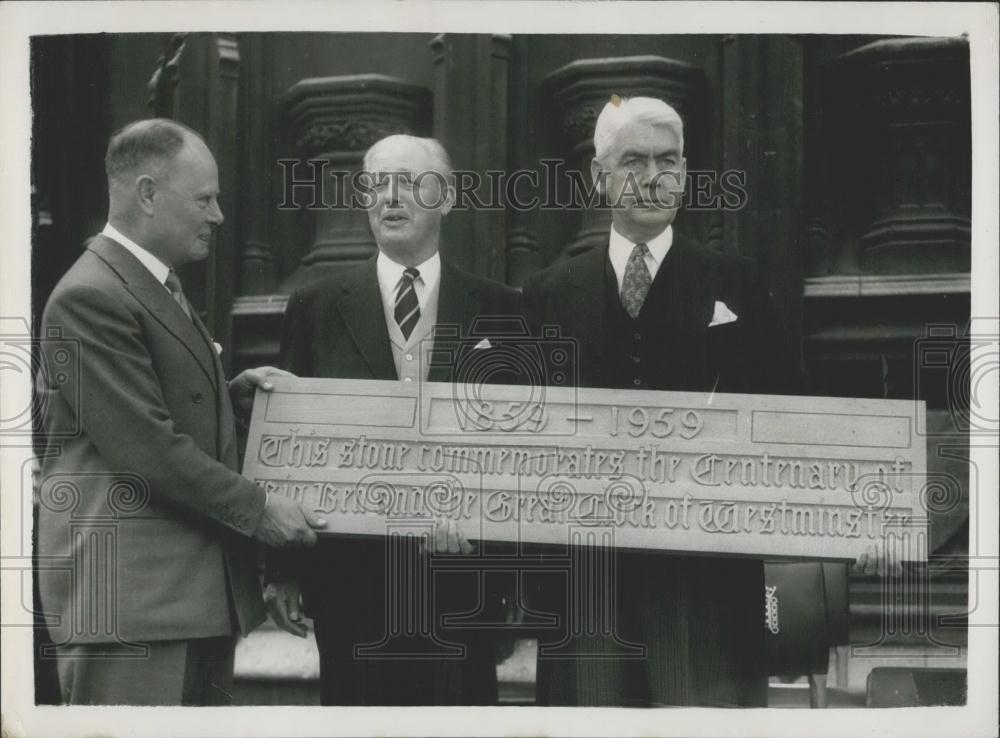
(143, 518)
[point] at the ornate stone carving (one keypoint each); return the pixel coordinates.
(523, 258)
(579, 124)
(351, 135)
(350, 113)
(163, 82)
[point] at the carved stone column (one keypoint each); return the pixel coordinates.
(762, 119)
(163, 83)
(336, 119)
(580, 90)
(818, 250)
(196, 83)
(258, 271)
(905, 138)
(470, 119)
(523, 255)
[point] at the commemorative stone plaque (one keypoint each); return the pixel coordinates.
(755, 475)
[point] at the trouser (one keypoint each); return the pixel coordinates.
(181, 672)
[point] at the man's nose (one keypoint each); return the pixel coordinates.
(215, 216)
(649, 171)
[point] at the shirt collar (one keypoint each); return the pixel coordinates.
(620, 249)
(390, 273)
(157, 268)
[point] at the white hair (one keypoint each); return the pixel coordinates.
(431, 146)
(621, 111)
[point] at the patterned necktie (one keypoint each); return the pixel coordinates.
(407, 311)
(635, 285)
(174, 285)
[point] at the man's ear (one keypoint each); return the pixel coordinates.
(145, 193)
(449, 199)
(679, 184)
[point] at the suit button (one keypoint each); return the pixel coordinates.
(196, 398)
(409, 357)
(637, 336)
(637, 382)
(636, 359)
(407, 379)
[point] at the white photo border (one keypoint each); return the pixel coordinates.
(19, 21)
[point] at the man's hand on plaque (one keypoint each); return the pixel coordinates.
(880, 560)
(282, 600)
(243, 388)
(446, 538)
(285, 523)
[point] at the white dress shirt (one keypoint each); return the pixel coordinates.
(411, 355)
(390, 274)
(620, 249)
(157, 268)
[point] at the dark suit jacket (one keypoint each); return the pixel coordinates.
(747, 355)
(337, 328)
(144, 521)
(699, 620)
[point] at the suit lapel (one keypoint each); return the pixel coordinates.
(457, 308)
(360, 306)
(226, 436)
(683, 288)
(155, 298)
(228, 453)
(220, 372)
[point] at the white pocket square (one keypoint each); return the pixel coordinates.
(722, 314)
(484, 344)
(218, 348)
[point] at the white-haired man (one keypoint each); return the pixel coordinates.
(655, 310)
(377, 322)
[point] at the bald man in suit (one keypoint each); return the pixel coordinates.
(378, 321)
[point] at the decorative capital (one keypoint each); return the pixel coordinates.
(162, 84)
(350, 113)
(582, 88)
(348, 135)
(228, 48)
(908, 78)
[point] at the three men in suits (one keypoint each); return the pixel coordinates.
(655, 310)
(378, 321)
(146, 530)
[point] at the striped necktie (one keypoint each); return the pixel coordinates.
(173, 284)
(635, 284)
(407, 310)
